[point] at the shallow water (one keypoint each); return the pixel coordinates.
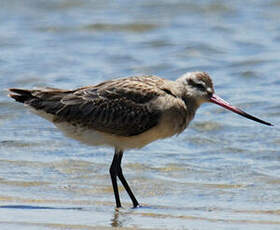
(221, 173)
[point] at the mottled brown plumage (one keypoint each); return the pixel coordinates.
(125, 113)
(121, 107)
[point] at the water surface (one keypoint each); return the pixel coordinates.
(221, 173)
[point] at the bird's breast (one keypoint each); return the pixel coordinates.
(175, 116)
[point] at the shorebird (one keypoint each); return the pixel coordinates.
(125, 113)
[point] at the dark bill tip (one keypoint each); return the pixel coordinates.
(219, 101)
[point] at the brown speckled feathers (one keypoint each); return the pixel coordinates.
(117, 107)
(125, 113)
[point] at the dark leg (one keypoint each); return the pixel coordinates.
(124, 182)
(116, 171)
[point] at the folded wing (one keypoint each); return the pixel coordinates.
(120, 107)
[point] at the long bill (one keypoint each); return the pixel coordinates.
(219, 101)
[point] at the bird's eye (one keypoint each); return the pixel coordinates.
(200, 86)
(197, 85)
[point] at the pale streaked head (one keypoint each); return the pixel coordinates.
(198, 85)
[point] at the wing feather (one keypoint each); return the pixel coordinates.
(119, 107)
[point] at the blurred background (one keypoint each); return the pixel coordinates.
(223, 172)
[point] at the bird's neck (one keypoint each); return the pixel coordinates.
(192, 105)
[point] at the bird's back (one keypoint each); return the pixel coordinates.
(124, 108)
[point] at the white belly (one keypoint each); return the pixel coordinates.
(93, 137)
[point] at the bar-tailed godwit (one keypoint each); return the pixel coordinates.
(125, 113)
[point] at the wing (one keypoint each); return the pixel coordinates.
(118, 107)
(122, 107)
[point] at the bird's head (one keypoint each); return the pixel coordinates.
(198, 88)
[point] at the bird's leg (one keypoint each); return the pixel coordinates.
(116, 171)
(113, 173)
(124, 182)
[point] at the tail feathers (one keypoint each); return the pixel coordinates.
(21, 95)
(48, 100)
